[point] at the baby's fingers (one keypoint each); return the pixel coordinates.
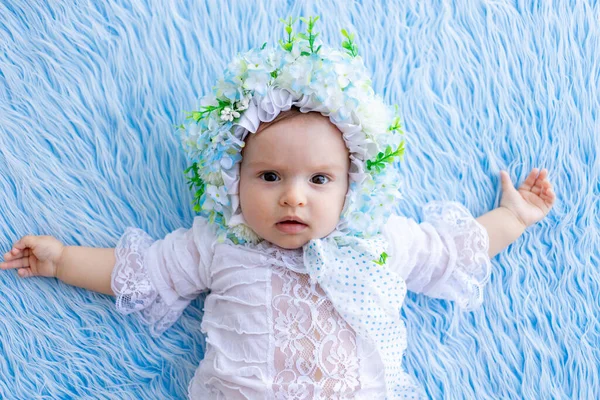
(12, 253)
(21, 248)
(21, 262)
(548, 195)
(530, 180)
(25, 273)
(541, 183)
(17, 257)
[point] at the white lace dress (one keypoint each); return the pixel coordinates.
(270, 332)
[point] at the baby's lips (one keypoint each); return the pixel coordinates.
(292, 218)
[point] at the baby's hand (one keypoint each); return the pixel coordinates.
(534, 199)
(34, 256)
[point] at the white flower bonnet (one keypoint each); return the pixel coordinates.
(255, 88)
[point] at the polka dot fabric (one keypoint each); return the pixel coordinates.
(369, 296)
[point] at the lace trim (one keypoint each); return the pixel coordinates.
(289, 259)
(473, 266)
(132, 287)
(315, 349)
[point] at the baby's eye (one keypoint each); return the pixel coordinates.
(319, 179)
(269, 176)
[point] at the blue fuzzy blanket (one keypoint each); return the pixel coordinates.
(90, 93)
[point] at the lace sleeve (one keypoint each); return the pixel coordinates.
(158, 279)
(444, 257)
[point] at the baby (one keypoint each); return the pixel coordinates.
(304, 295)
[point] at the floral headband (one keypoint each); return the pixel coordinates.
(256, 87)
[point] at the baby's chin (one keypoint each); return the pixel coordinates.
(291, 244)
(294, 242)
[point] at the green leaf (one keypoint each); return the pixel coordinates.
(197, 116)
(282, 20)
(302, 36)
(344, 32)
(288, 29)
(318, 48)
(382, 259)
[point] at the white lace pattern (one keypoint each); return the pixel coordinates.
(315, 349)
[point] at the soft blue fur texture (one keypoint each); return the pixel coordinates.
(90, 92)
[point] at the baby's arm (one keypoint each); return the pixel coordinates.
(518, 209)
(85, 267)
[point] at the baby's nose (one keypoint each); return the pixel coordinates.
(293, 196)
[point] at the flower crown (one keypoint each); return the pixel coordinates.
(256, 87)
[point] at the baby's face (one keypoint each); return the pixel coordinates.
(296, 167)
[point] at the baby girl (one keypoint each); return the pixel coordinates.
(306, 265)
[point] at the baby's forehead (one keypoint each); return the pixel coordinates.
(304, 130)
(301, 139)
(290, 153)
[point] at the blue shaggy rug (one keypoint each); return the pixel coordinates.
(90, 93)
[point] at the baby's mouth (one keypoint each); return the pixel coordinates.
(288, 226)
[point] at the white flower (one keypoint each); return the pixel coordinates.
(226, 162)
(213, 178)
(375, 117)
(209, 204)
(229, 88)
(344, 72)
(193, 132)
(334, 98)
(227, 114)
(296, 76)
(215, 198)
(243, 103)
(237, 67)
(257, 81)
(218, 193)
(244, 232)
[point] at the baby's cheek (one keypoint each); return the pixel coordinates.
(341, 198)
(334, 210)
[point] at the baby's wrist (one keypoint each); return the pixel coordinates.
(59, 262)
(512, 214)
